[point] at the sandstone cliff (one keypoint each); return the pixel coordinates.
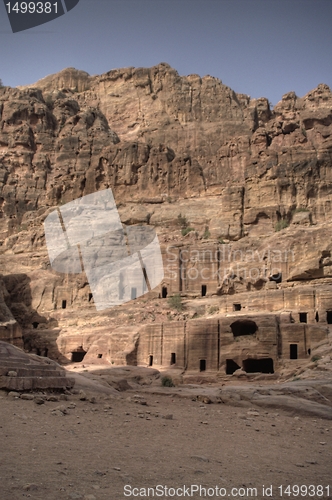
(235, 170)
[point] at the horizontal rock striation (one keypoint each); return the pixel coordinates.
(210, 169)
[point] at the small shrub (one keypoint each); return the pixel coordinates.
(213, 309)
(182, 221)
(175, 302)
(282, 224)
(315, 358)
(206, 234)
(167, 382)
(221, 241)
(304, 132)
(186, 230)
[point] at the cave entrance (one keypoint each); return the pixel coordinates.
(277, 278)
(35, 324)
(237, 307)
(64, 304)
(99, 356)
(78, 355)
(262, 365)
(243, 327)
(164, 292)
(329, 317)
(204, 288)
(90, 297)
(231, 366)
(150, 360)
(303, 317)
(317, 317)
(202, 365)
(292, 351)
(173, 358)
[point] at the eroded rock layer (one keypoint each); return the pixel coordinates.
(240, 195)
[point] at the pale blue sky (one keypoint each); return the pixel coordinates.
(257, 47)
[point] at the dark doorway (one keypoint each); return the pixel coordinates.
(64, 304)
(35, 324)
(99, 356)
(133, 293)
(203, 290)
(202, 365)
(173, 358)
(309, 351)
(231, 367)
(303, 317)
(292, 351)
(150, 360)
(78, 355)
(329, 317)
(263, 365)
(243, 327)
(90, 297)
(276, 277)
(237, 307)
(317, 317)
(164, 292)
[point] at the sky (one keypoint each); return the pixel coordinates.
(263, 48)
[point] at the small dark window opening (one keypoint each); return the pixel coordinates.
(309, 352)
(303, 317)
(231, 367)
(237, 307)
(133, 293)
(38, 351)
(243, 327)
(276, 277)
(90, 297)
(99, 356)
(173, 358)
(64, 304)
(292, 351)
(263, 365)
(317, 316)
(164, 292)
(35, 324)
(78, 355)
(203, 290)
(329, 317)
(150, 360)
(202, 365)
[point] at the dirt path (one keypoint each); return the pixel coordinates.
(93, 450)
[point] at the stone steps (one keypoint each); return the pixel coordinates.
(29, 372)
(35, 383)
(15, 364)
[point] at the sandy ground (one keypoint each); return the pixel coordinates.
(112, 442)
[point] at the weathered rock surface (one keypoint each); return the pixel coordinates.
(25, 372)
(179, 152)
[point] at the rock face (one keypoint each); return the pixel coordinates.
(240, 196)
(24, 372)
